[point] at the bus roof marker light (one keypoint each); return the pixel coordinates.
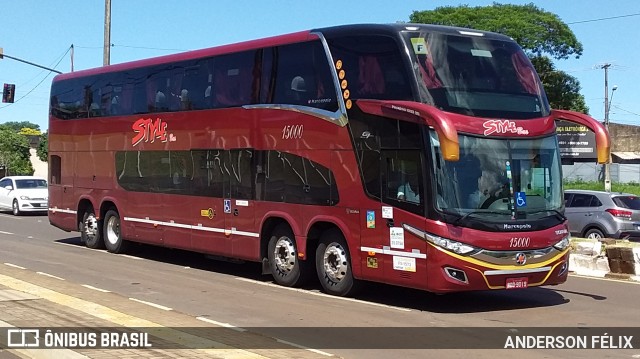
(470, 33)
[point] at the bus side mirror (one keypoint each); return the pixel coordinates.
(603, 141)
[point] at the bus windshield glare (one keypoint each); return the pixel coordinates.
(475, 76)
(499, 178)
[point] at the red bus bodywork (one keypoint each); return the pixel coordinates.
(241, 228)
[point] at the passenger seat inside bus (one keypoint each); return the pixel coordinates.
(298, 93)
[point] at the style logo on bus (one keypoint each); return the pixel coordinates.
(502, 126)
(148, 130)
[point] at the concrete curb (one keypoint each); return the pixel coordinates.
(603, 259)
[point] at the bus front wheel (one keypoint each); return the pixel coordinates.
(287, 269)
(90, 230)
(111, 232)
(333, 264)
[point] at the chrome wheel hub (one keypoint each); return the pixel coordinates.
(335, 262)
(285, 254)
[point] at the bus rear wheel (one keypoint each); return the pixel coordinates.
(287, 269)
(91, 230)
(111, 232)
(333, 264)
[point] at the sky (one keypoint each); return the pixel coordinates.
(42, 32)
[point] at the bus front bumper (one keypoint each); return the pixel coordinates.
(453, 272)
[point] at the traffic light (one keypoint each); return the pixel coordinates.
(8, 93)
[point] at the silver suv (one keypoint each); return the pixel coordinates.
(598, 214)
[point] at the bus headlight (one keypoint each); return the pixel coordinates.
(451, 245)
(448, 244)
(563, 244)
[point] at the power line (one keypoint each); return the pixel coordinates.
(130, 47)
(627, 111)
(41, 81)
(603, 18)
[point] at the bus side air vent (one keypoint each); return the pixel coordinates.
(405, 275)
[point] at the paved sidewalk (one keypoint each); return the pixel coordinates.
(29, 300)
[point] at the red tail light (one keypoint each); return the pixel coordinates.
(619, 213)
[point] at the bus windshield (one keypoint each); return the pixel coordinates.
(499, 178)
(476, 76)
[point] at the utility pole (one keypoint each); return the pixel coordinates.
(107, 33)
(607, 169)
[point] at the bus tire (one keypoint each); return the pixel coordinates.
(91, 230)
(286, 268)
(333, 265)
(111, 232)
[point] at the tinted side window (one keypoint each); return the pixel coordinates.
(373, 67)
(580, 200)
(631, 202)
(235, 79)
(56, 169)
(567, 200)
(293, 179)
(303, 76)
(239, 173)
(595, 202)
(403, 179)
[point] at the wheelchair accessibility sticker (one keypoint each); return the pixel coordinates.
(227, 206)
(521, 199)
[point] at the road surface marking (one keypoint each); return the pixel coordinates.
(95, 288)
(78, 246)
(151, 304)
(14, 266)
(226, 325)
(323, 295)
(3, 232)
(303, 347)
(130, 256)
(126, 320)
(50, 275)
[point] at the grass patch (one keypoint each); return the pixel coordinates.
(632, 187)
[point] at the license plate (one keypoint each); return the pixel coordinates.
(517, 283)
(36, 204)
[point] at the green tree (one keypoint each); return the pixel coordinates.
(14, 152)
(541, 34)
(43, 148)
(563, 90)
(19, 126)
(27, 131)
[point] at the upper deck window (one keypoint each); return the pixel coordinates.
(302, 76)
(476, 76)
(373, 67)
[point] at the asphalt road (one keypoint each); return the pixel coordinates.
(238, 295)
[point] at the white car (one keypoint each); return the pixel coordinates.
(24, 194)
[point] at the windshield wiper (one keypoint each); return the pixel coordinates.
(462, 218)
(555, 212)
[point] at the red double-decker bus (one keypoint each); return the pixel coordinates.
(415, 155)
